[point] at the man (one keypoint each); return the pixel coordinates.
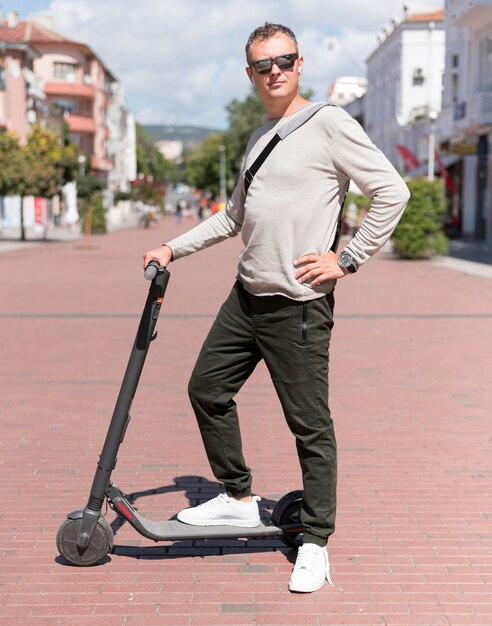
(281, 307)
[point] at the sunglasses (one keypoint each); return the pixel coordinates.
(283, 62)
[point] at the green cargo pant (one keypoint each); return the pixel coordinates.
(293, 339)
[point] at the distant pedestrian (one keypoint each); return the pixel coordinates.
(180, 208)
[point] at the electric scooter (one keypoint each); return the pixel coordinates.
(86, 537)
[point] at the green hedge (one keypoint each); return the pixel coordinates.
(419, 234)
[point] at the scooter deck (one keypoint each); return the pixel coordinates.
(173, 530)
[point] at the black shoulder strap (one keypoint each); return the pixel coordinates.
(249, 174)
(283, 132)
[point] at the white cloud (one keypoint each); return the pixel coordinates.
(182, 61)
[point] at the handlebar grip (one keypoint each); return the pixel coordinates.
(150, 272)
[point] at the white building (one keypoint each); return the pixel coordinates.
(122, 151)
(346, 89)
(405, 84)
(171, 149)
(121, 141)
(466, 121)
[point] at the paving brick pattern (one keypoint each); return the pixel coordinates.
(410, 394)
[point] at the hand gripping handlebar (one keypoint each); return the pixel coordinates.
(150, 272)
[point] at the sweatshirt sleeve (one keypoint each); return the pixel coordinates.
(216, 228)
(356, 157)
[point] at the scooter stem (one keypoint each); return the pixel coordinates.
(121, 414)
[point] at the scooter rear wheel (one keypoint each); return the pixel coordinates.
(286, 512)
(101, 542)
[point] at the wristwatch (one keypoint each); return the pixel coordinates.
(347, 262)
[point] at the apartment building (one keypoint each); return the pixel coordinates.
(48, 78)
(465, 125)
(22, 98)
(71, 79)
(405, 83)
(78, 83)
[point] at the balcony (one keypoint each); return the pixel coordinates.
(100, 163)
(81, 124)
(64, 88)
(469, 13)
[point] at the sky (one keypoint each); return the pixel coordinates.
(182, 61)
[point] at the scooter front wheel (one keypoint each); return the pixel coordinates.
(101, 542)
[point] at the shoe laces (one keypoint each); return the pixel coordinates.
(222, 498)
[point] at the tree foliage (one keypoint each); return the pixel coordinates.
(203, 163)
(40, 168)
(150, 161)
(10, 164)
(419, 233)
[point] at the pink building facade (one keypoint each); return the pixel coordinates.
(21, 92)
(73, 80)
(77, 82)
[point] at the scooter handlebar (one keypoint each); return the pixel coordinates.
(150, 272)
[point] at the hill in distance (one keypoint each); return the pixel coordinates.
(190, 136)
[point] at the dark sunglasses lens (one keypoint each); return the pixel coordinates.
(285, 62)
(263, 67)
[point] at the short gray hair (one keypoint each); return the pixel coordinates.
(267, 31)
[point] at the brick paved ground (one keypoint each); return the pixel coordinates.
(410, 378)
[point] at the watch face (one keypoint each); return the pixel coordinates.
(345, 260)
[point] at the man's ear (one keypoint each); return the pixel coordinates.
(249, 72)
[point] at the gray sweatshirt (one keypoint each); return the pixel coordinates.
(293, 203)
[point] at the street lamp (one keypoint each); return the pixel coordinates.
(223, 196)
(432, 115)
(81, 159)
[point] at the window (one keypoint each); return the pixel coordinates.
(84, 141)
(70, 106)
(74, 107)
(418, 77)
(455, 61)
(3, 78)
(65, 71)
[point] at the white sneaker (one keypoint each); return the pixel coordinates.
(311, 570)
(223, 511)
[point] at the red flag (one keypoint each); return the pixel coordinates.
(410, 161)
(444, 173)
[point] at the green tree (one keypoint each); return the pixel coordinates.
(10, 160)
(203, 163)
(419, 233)
(39, 168)
(154, 171)
(89, 189)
